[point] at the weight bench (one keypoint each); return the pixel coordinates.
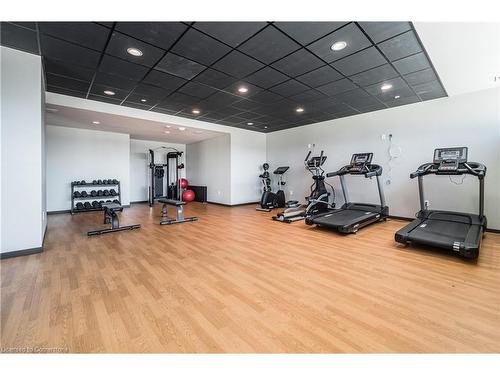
(110, 216)
(165, 220)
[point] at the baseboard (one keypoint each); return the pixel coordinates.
(232, 205)
(58, 212)
(18, 253)
(146, 201)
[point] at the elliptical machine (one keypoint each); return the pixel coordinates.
(318, 200)
(270, 200)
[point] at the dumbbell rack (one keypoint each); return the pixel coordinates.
(78, 186)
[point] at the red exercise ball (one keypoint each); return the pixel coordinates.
(188, 196)
(184, 183)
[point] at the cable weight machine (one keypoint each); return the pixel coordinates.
(164, 177)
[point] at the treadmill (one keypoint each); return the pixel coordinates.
(353, 216)
(456, 231)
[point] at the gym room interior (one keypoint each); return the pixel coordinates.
(256, 186)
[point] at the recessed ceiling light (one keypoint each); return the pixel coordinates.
(250, 123)
(167, 131)
(196, 111)
(51, 109)
(243, 89)
(134, 51)
(143, 100)
(182, 129)
(397, 97)
(95, 122)
(109, 92)
(265, 127)
(386, 86)
(299, 110)
(337, 46)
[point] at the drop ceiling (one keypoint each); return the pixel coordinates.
(202, 65)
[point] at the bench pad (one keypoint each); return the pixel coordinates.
(172, 202)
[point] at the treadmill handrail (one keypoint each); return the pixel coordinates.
(473, 168)
(369, 171)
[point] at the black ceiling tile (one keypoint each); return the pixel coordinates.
(119, 43)
(357, 98)
(371, 108)
(429, 90)
(234, 120)
(396, 83)
(60, 50)
(249, 115)
(114, 81)
(298, 63)
(108, 24)
(160, 34)
(306, 32)
(180, 98)
(232, 33)
(237, 64)
(187, 112)
(18, 38)
(266, 97)
(28, 25)
(375, 75)
(164, 80)
(266, 77)
(145, 99)
(64, 91)
(320, 117)
(422, 76)
(337, 87)
(113, 65)
(269, 45)
(221, 99)
(252, 89)
(170, 107)
(214, 78)
(319, 77)
(401, 46)
(67, 83)
(68, 70)
(98, 89)
(200, 48)
(133, 104)
(86, 34)
(198, 90)
(379, 31)
(360, 61)
(150, 91)
(104, 99)
(245, 105)
(224, 112)
(179, 66)
(289, 88)
(399, 93)
(412, 63)
(351, 34)
(403, 101)
(164, 110)
(307, 96)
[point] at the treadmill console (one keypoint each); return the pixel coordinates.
(448, 159)
(359, 162)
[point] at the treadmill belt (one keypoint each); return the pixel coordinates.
(344, 218)
(444, 233)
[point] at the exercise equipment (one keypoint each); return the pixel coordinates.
(270, 200)
(319, 197)
(183, 183)
(79, 206)
(106, 192)
(353, 216)
(188, 196)
(77, 194)
(93, 193)
(84, 194)
(111, 217)
(165, 220)
(164, 179)
(87, 205)
(456, 231)
(112, 192)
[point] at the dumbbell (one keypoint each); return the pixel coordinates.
(79, 206)
(87, 205)
(112, 192)
(106, 192)
(110, 181)
(82, 182)
(84, 194)
(100, 204)
(94, 182)
(95, 204)
(108, 201)
(99, 182)
(93, 193)
(115, 181)
(77, 194)
(100, 193)
(116, 201)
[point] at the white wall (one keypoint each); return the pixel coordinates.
(79, 154)
(139, 161)
(466, 120)
(22, 223)
(248, 153)
(209, 163)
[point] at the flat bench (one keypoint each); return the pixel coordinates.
(111, 217)
(165, 220)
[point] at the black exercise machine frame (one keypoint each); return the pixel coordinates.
(111, 217)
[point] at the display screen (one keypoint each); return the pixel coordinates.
(361, 159)
(450, 154)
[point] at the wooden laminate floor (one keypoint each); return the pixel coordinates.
(235, 281)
